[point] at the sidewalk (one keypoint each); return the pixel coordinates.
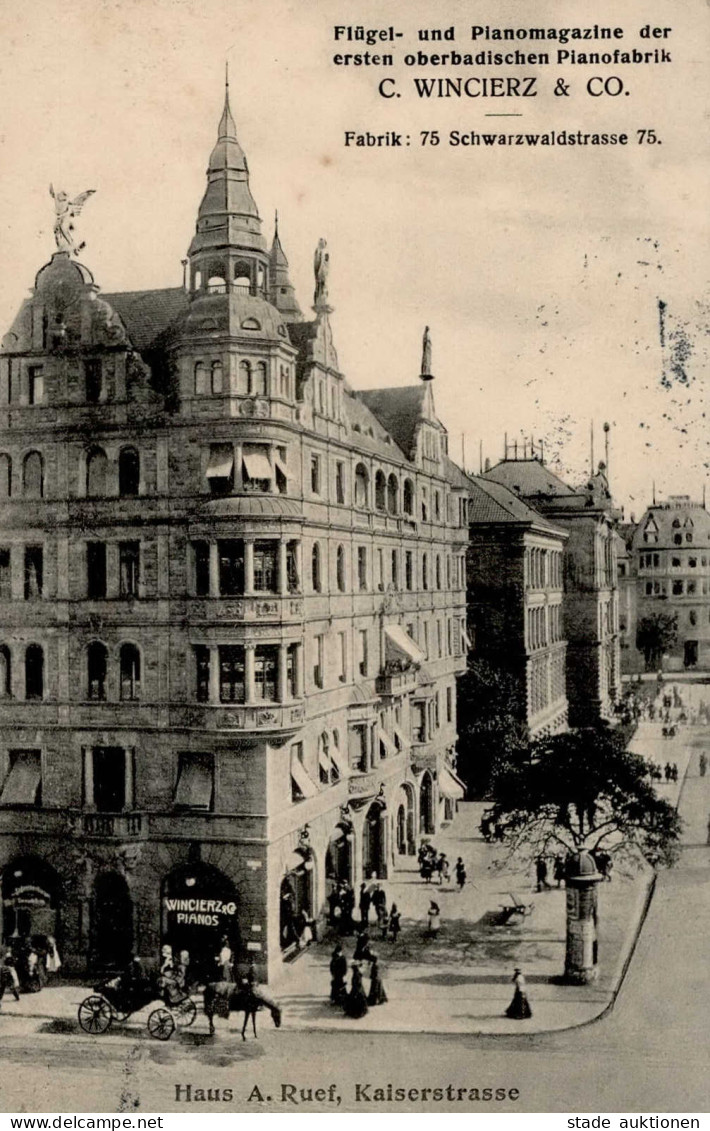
(459, 982)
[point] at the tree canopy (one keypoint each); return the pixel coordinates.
(583, 791)
(489, 724)
(656, 633)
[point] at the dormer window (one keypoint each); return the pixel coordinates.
(35, 384)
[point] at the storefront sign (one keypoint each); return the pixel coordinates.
(199, 912)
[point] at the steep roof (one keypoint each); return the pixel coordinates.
(528, 477)
(670, 523)
(494, 503)
(399, 410)
(146, 314)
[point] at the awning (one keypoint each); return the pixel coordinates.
(340, 760)
(22, 783)
(399, 734)
(221, 461)
(389, 745)
(256, 463)
(466, 638)
(302, 778)
(449, 785)
(400, 644)
(337, 835)
(195, 784)
(281, 466)
(324, 759)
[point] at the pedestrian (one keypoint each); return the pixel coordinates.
(703, 765)
(541, 873)
(348, 905)
(9, 980)
(445, 870)
(166, 972)
(674, 772)
(383, 923)
(364, 904)
(395, 923)
(667, 771)
(182, 971)
(460, 870)
(377, 995)
(54, 962)
(362, 947)
(559, 872)
(335, 909)
(379, 902)
(225, 961)
(519, 1008)
(338, 976)
(355, 1003)
(433, 919)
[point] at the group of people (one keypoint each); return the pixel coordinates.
(559, 871)
(353, 999)
(27, 967)
(435, 865)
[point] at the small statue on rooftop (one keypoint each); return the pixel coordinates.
(321, 266)
(426, 354)
(65, 211)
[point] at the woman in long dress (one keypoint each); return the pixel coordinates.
(338, 976)
(355, 1002)
(434, 918)
(519, 1008)
(377, 995)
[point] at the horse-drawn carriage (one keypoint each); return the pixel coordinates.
(118, 998)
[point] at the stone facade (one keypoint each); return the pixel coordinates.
(232, 606)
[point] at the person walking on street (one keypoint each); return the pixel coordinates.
(377, 995)
(9, 980)
(338, 976)
(703, 764)
(519, 1008)
(433, 919)
(541, 873)
(362, 947)
(364, 905)
(559, 872)
(460, 873)
(379, 902)
(355, 1003)
(395, 923)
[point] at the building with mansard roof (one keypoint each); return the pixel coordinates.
(232, 606)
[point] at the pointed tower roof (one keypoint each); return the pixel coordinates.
(228, 214)
(283, 295)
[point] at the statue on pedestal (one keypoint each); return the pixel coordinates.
(65, 211)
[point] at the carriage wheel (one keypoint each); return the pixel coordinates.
(185, 1012)
(95, 1014)
(161, 1024)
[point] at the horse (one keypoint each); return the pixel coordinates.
(223, 997)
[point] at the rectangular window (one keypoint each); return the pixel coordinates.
(408, 569)
(318, 647)
(677, 588)
(231, 568)
(23, 784)
(220, 469)
(266, 560)
(5, 576)
(35, 384)
(109, 774)
(362, 567)
(437, 506)
(201, 566)
(34, 572)
(449, 705)
(292, 567)
(195, 781)
(340, 482)
(257, 472)
(129, 554)
(231, 674)
(425, 507)
(418, 723)
(93, 380)
(266, 663)
(343, 656)
(380, 570)
(362, 651)
(291, 671)
(425, 641)
(202, 670)
(95, 570)
(395, 569)
(439, 639)
(315, 474)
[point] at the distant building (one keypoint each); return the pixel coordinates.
(514, 570)
(590, 600)
(669, 560)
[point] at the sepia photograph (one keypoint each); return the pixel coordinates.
(354, 558)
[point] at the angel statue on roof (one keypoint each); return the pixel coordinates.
(321, 266)
(65, 211)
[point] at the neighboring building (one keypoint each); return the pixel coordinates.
(590, 579)
(515, 615)
(232, 606)
(670, 573)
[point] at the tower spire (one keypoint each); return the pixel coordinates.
(283, 295)
(227, 127)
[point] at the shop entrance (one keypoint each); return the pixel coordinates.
(426, 804)
(111, 922)
(295, 904)
(199, 907)
(31, 900)
(373, 844)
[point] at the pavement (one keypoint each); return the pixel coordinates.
(459, 982)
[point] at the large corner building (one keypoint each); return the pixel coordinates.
(232, 606)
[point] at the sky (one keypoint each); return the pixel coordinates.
(540, 273)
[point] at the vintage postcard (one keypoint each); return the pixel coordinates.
(355, 558)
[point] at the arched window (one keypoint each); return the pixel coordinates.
(392, 494)
(201, 385)
(34, 672)
(340, 568)
(244, 382)
(96, 466)
(260, 278)
(380, 490)
(5, 672)
(96, 658)
(33, 476)
(5, 476)
(130, 672)
(217, 377)
(408, 497)
(242, 276)
(259, 388)
(362, 482)
(217, 285)
(129, 471)
(315, 568)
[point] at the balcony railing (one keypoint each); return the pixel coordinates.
(263, 717)
(125, 826)
(396, 683)
(267, 607)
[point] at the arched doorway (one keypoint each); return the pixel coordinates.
(338, 857)
(199, 907)
(111, 922)
(295, 903)
(426, 804)
(373, 843)
(31, 895)
(403, 829)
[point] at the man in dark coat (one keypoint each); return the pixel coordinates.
(364, 905)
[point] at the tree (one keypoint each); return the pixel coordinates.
(489, 724)
(583, 791)
(656, 633)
